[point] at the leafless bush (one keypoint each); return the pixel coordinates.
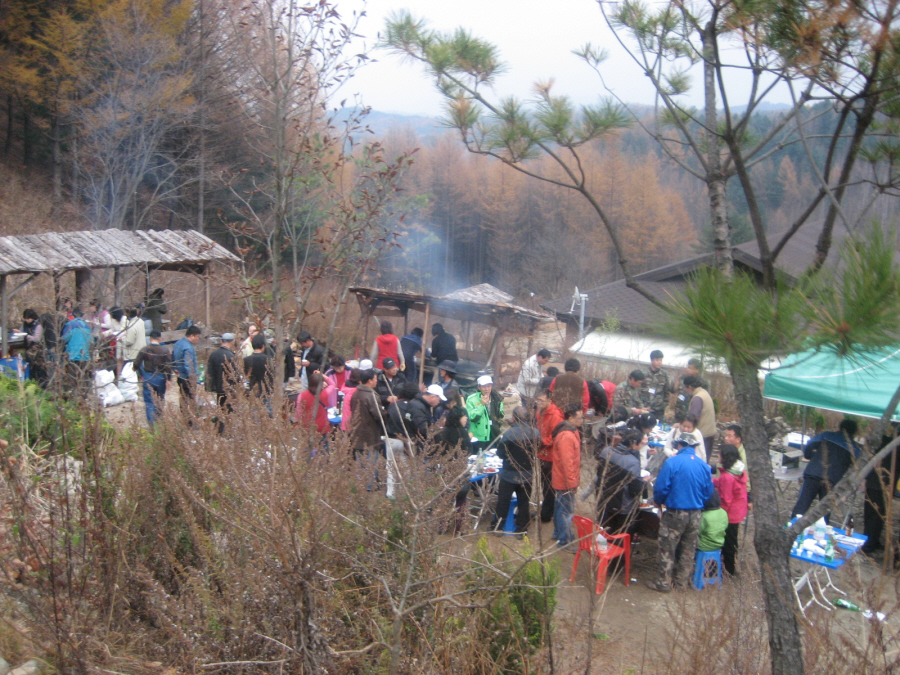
(247, 552)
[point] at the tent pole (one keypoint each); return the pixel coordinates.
(4, 333)
(804, 424)
(427, 319)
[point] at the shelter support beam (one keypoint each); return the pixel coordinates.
(4, 307)
(22, 285)
(427, 320)
(206, 295)
(82, 279)
(117, 285)
(493, 351)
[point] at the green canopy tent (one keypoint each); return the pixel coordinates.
(859, 385)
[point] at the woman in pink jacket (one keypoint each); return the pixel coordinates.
(732, 487)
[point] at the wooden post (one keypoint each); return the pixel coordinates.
(117, 286)
(491, 353)
(146, 281)
(206, 294)
(370, 314)
(427, 319)
(82, 279)
(4, 338)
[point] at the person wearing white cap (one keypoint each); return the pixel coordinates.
(485, 408)
(421, 412)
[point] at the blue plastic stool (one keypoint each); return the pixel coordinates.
(509, 525)
(701, 561)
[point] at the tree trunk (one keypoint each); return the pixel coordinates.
(718, 204)
(26, 137)
(57, 164)
(772, 541)
(9, 123)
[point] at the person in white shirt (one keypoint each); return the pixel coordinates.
(530, 376)
(135, 338)
(686, 426)
(246, 346)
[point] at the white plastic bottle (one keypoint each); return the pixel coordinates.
(601, 543)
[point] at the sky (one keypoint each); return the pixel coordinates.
(535, 39)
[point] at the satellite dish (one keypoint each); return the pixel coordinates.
(576, 298)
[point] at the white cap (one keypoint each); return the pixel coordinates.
(485, 379)
(365, 364)
(436, 390)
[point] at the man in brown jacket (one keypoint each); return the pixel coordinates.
(570, 388)
(366, 429)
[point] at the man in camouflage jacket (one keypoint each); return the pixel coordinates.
(656, 388)
(629, 394)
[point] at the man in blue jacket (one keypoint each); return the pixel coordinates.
(77, 338)
(683, 485)
(184, 363)
(830, 454)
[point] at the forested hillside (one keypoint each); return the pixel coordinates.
(152, 115)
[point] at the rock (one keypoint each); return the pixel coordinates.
(32, 667)
(4, 666)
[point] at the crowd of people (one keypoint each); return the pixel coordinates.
(388, 413)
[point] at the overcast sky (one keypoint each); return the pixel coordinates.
(535, 40)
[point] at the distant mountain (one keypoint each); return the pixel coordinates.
(428, 127)
(382, 122)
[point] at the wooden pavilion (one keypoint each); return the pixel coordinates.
(483, 304)
(56, 253)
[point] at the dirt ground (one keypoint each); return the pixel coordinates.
(629, 629)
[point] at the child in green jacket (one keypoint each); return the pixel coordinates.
(713, 523)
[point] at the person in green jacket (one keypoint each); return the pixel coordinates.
(485, 408)
(713, 523)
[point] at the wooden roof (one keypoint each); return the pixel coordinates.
(182, 250)
(477, 303)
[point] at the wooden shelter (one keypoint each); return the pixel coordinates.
(482, 304)
(81, 252)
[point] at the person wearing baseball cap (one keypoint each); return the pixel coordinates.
(421, 413)
(485, 408)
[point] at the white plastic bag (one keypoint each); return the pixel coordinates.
(128, 383)
(114, 397)
(103, 378)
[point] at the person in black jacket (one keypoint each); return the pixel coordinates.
(222, 376)
(517, 447)
(420, 413)
(443, 345)
(454, 438)
(312, 357)
(390, 382)
(259, 368)
(400, 432)
(619, 482)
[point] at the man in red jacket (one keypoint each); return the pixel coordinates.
(566, 473)
(548, 417)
